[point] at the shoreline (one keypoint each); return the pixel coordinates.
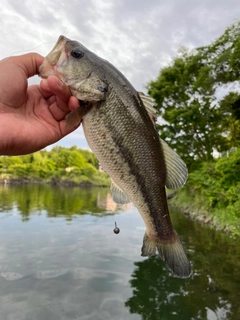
(202, 217)
(190, 211)
(53, 182)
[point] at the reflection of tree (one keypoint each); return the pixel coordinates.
(214, 287)
(211, 293)
(156, 295)
(56, 201)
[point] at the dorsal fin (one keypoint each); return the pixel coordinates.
(149, 104)
(177, 172)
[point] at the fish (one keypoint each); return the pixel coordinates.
(121, 133)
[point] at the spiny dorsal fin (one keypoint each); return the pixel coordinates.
(149, 104)
(177, 172)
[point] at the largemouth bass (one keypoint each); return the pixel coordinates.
(121, 134)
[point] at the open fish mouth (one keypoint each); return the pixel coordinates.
(55, 58)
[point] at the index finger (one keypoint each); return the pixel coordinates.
(58, 88)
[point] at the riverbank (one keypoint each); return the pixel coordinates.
(56, 182)
(212, 193)
(195, 208)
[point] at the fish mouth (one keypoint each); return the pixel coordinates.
(54, 59)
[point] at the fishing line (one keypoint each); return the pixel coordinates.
(99, 166)
(31, 49)
(48, 42)
(116, 230)
(64, 33)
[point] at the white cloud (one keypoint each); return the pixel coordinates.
(138, 37)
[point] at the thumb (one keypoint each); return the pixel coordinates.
(29, 62)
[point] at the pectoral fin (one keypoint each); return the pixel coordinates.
(74, 118)
(118, 195)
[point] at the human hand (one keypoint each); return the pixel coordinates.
(31, 117)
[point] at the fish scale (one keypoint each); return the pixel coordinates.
(123, 137)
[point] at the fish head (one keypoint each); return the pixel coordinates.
(75, 66)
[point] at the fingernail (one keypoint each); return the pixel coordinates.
(60, 83)
(44, 82)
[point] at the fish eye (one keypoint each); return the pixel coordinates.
(77, 53)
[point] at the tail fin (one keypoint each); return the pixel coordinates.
(171, 252)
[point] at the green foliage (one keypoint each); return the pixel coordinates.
(198, 120)
(214, 188)
(60, 165)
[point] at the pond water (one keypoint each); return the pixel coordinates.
(60, 260)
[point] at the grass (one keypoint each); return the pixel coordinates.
(197, 206)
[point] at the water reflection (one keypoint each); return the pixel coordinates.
(57, 201)
(66, 263)
(109, 205)
(160, 296)
(212, 292)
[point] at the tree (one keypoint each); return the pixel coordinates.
(230, 109)
(190, 100)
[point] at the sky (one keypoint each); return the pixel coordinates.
(139, 37)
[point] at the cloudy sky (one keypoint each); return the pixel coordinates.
(139, 37)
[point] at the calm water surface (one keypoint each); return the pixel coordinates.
(60, 260)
